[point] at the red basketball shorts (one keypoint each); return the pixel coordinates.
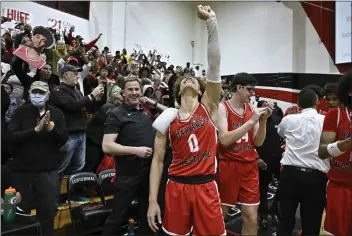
(238, 183)
(338, 219)
(193, 207)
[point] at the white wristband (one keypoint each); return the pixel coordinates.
(333, 150)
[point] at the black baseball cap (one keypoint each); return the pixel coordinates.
(72, 68)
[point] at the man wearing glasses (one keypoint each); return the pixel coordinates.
(241, 130)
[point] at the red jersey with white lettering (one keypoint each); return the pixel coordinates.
(194, 144)
(243, 149)
(338, 120)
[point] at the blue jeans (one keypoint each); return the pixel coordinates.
(73, 155)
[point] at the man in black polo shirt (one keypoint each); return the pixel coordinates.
(129, 136)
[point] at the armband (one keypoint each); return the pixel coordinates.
(164, 120)
(334, 150)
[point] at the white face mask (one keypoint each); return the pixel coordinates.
(38, 100)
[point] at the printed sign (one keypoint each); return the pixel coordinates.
(83, 179)
(58, 24)
(18, 15)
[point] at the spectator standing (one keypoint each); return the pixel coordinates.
(44, 74)
(129, 136)
(95, 133)
(278, 111)
(80, 58)
(36, 133)
(72, 103)
(270, 154)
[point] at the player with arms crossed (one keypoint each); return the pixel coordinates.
(191, 198)
(336, 143)
(241, 129)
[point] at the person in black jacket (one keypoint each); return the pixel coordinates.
(71, 102)
(270, 154)
(95, 133)
(5, 104)
(36, 133)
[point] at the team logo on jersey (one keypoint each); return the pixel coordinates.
(243, 147)
(195, 158)
(345, 135)
(342, 166)
(196, 124)
(236, 124)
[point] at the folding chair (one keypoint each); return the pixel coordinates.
(90, 217)
(105, 179)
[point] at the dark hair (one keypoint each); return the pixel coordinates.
(344, 88)
(177, 87)
(330, 89)
(243, 79)
(260, 103)
(317, 89)
(307, 98)
(36, 77)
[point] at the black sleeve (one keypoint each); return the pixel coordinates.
(15, 134)
(60, 132)
(22, 76)
(60, 98)
(5, 101)
(112, 124)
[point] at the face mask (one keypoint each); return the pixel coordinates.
(37, 100)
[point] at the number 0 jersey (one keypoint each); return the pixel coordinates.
(194, 144)
(243, 149)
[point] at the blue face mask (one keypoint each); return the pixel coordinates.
(38, 100)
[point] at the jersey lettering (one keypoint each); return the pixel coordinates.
(193, 143)
(244, 137)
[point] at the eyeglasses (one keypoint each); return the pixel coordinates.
(249, 88)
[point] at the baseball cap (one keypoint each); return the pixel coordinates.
(70, 68)
(39, 85)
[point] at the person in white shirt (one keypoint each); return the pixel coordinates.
(303, 179)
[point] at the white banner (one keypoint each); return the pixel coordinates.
(343, 32)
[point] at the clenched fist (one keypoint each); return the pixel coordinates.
(205, 12)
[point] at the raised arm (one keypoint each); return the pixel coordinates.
(213, 90)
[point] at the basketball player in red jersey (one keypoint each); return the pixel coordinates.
(330, 95)
(336, 143)
(241, 129)
(191, 200)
